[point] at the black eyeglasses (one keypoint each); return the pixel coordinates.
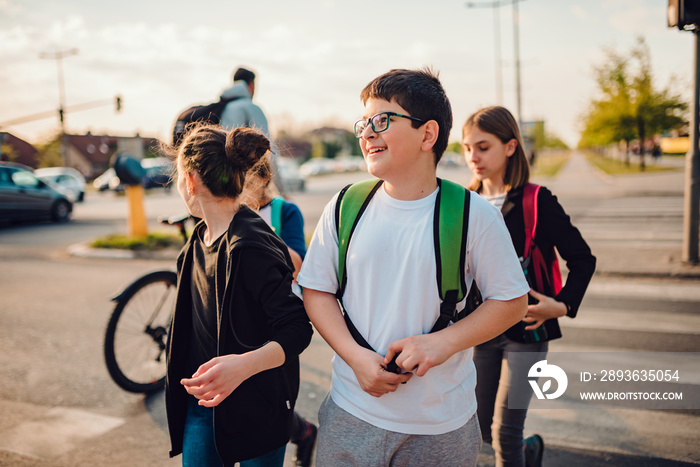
(379, 122)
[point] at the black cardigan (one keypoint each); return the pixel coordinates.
(554, 229)
(258, 306)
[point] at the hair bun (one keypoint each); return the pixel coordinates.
(245, 147)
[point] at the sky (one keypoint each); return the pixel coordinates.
(313, 57)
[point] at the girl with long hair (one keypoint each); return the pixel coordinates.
(493, 150)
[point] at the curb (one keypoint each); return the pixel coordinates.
(690, 275)
(83, 250)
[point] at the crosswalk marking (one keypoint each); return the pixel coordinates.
(57, 432)
(632, 320)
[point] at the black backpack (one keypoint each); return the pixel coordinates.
(210, 113)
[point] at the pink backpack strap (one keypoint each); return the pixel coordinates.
(530, 192)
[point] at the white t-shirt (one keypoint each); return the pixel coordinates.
(392, 293)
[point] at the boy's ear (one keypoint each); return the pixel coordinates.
(430, 136)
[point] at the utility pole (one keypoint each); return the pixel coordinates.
(516, 45)
(498, 61)
(685, 15)
(495, 5)
(691, 204)
(59, 55)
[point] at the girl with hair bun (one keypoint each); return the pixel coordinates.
(237, 328)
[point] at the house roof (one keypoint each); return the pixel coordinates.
(26, 153)
(99, 148)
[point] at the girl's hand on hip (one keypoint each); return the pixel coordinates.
(547, 308)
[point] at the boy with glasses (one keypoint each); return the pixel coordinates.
(391, 296)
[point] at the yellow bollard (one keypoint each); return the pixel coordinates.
(138, 226)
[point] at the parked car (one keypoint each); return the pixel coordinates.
(290, 176)
(66, 180)
(101, 183)
(25, 197)
(349, 164)
(316, 166)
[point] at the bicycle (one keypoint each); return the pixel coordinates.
(137, 330)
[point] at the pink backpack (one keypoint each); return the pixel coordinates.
(541, 272)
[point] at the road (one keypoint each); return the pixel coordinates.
(59, 406)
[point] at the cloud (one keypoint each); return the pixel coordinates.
(635, 20)
(580, 12)
(10, 7)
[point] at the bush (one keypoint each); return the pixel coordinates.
(154, 241)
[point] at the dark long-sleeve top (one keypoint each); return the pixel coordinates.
(257, 306)
(554, 229)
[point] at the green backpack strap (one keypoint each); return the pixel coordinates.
(352, 202)
(451, 224)
(276, 215)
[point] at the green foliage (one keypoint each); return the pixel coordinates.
(154, 241)
(49, 152)
(328, 149)
(332, 149)
(629, 106)
(553, 141)
(455, 147)
(9, 152)
(317, 149)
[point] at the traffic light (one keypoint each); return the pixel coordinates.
(118, 103)
(682, 13)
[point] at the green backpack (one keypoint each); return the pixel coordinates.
(450, 224)
(276, 215)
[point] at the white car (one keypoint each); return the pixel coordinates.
(290, 176)
(65, 180)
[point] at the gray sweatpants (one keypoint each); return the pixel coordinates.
(348, 441)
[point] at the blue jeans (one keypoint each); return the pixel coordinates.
(508, 424)
(199, 447)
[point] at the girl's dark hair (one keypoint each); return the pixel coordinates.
(421, 94)
(222, 159)
(500, 122)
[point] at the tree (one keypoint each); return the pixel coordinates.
(49, 152)
(8, 153)
(630, 108)
(455, 147)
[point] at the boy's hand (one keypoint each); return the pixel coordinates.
(547, 308)
(369, 368)
(419, 353)
(216, 379)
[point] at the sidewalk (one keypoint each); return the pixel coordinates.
(633, 223)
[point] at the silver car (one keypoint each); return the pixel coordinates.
(24, 197)
(66, 180)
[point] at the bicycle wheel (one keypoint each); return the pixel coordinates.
(137, 332)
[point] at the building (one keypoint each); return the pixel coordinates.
(17, 150)
(91, 154)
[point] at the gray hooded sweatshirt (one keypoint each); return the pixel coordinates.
(241, 111)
